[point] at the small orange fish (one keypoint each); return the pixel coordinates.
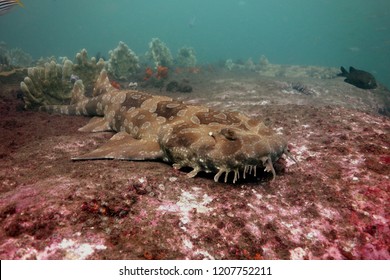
(115, 84)
(162, 72)
(148, 73)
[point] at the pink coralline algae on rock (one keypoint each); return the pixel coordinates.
(333, 205)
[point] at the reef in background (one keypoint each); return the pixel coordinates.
(52, 83)
(267, 69)
(123, 62)
(159, 53)
(13, 58)
(186, 57)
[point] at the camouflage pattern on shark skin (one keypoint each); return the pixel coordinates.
(152, 127)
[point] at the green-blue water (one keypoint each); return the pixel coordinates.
(304, 32)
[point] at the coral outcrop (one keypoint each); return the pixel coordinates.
(123, 62)
(159, 53)
(229, 64)
(20, 58)
(86, 69)
(263, 62)
(46, 85)
(51, 83)
(12, 58)
(186, 57)
(250, 65)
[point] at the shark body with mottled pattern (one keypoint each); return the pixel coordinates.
(153, 127)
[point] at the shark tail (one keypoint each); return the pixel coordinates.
(61, 109)
(80, 104)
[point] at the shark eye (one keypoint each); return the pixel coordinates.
(212, 135)
(229, 134)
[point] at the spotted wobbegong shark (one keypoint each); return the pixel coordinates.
(153, 127)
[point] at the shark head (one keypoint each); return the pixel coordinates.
(223, 149)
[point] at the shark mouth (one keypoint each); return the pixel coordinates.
(248, 169)
(251, 169)
(239, 171)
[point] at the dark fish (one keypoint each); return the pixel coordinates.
(358, 78)
(6, 5)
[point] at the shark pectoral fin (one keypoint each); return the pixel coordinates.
(123, 146)
(96, 124)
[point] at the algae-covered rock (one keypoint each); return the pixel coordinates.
(294, 71)
(159, 53)
(123, 62)
(186, 57)
(267, 69)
